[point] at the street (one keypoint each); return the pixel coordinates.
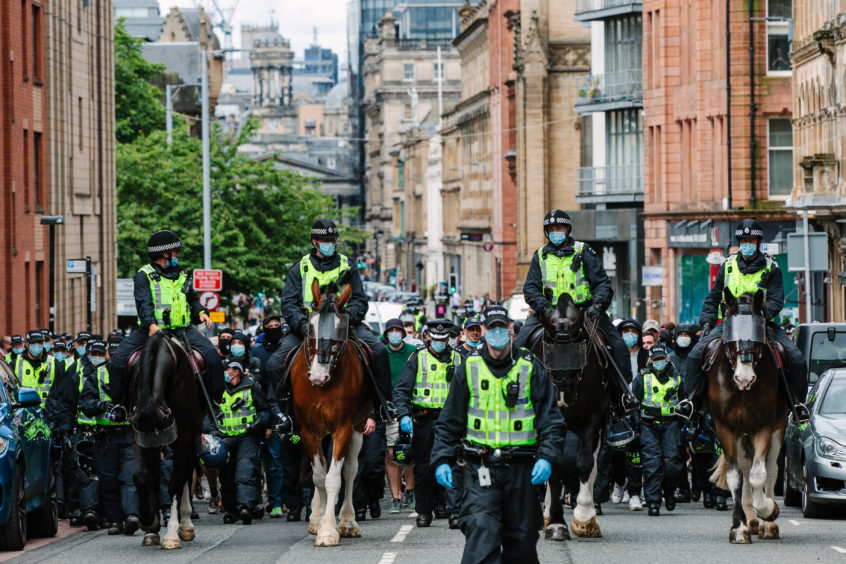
(689, 533)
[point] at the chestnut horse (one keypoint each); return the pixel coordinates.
(576, 365)
(749, 408)
(330, 399)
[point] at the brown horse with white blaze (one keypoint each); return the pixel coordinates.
(330, 399)
(749, 407)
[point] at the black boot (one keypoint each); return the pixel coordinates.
(361, 514)
(246, 515)
(720, 503)
(75, 518)
(453, 521)
(91, 520)
(441, 511)
(229, 518)
(654, 509)
(375, 509)
(115, 528)
(682, 496)
(670, 501)
(295, 515)
(131, 524)
(707, 500)
(424, 519)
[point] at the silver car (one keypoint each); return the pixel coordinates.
(815, 452)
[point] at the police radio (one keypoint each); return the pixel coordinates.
(511, 394)
(166, 316)
(450, 373)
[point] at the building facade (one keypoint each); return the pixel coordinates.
(717, 142)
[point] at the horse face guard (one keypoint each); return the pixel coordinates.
(565, 345)
(745, 336)
(332, 333)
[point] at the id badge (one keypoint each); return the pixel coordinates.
(484, 477)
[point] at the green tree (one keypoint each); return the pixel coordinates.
(138, 109)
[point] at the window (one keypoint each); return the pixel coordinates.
(778, 44)
(36, 40)
(408, 71)
(79, 120)
(438, 71)
(26, 169)
(408, 113)
(623, 39)
(24, 43)
(780, 157)
(36, 167)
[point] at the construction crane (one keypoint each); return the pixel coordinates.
(222, 19)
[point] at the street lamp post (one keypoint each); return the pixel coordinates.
(52, 221)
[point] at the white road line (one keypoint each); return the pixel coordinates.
(388, 558)
(403, 532)
(838, 549)
(793, 522)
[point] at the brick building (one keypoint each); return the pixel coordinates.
(57, 148)
(717, 141)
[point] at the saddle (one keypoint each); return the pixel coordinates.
(197, 360)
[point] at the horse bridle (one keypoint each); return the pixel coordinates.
(324, 350)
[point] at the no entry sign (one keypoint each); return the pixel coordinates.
(209, 300)
(208, 280)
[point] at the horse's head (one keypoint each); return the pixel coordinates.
(568, 320)
(744, 334)
(328, 331)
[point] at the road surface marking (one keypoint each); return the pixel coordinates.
(793, 522)
(403, 532)
(838, 549)
(388, 558)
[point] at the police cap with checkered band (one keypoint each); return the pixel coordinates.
(324, 229)
(439, 328)
(162, 242)
(749, 228)
(557, 217)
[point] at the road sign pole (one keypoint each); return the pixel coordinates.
(52, 318)
(88, 293)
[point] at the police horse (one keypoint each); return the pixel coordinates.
(168, 407)
(749, 408)
(331, 399)
(572, 353)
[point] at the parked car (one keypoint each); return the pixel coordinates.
(823, 345)
(815, 453)
(28, 506)
(402, 297)
(378, 314)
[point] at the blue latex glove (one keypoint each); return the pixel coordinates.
(541, 471)
(443, 475)
(406, 424)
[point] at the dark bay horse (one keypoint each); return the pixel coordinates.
(749, 408)
(571, 354)
(330, 399)
(168, 409)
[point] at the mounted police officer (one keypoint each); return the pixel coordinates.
(657, 386)
(501, 419)
(327, 266)
(114, 451)
(565, 265)
(420, 394)
(165, 299)
(746, 271)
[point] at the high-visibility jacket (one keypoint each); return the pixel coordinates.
(557, 274)
(431, 386)
(168, 295)
(237, 419)
(654, 403)
(308, 274)
(40, 378)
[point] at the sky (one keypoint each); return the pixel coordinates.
(296, 18)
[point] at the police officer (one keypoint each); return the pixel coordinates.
(501, 417)
(165, 299)
(34, 368)
(326, 265)
(658, 389)
(684, 338)
(472, 335)
(565, 265)
(114, 451)
(419, 395)
(467, 312)
(413, 306)
(244, 418)
(748, 270)
(18, 348)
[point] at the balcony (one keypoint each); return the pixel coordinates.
(610, 184)
(611, 91)
(589, 10)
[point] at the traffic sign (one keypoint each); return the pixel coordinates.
(209, 300)
(208, 280)
(217, 317)
(77, 266)
(125, 294)
(488, 246)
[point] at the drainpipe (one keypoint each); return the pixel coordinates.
(728, 102)
(751, 106)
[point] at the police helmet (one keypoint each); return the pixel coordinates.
(162, 242)
(324, 229)
(749, 228)
(620, 434)
(556, 217)
(213, 452)
(403, 451)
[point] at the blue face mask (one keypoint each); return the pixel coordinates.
(98, 360)
(48, 347)
(395, 338)
(18, 350)
(630, 339)
(238, 350)
(557, 237)
(659, 365)
(438, 346)
(327, 249)
(60, 356)
(472, 344)
(748, 249)
(36, 350)
(80, 350)
(226, 377)
(497, 337)
(173, 262)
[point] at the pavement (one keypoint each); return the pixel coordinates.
(690, 533)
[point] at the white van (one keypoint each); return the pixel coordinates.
(378, 314)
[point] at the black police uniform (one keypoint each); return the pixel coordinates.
(601, 295)
(500, 522)
(369, 485)
(796, 373)
(678, 358)
(146, 315)
(428, 492)
(113, 454)
(659, 439)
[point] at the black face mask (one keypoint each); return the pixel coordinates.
(223, 345)
(273, 334)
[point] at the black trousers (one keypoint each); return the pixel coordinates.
(500, 522)
(294, 495)
(86, 484)
(239, 478)
(427, 491)
(661, 461)
(115, 464)
(370, 480)
(138, 338)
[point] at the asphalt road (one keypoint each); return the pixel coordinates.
(689, 534)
